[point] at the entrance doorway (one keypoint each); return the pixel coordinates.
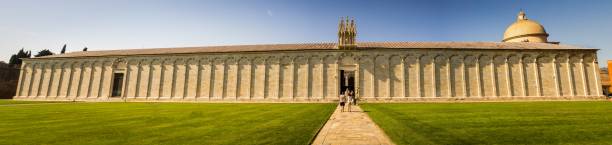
(347, 80)
(117, 85)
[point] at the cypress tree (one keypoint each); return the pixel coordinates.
(63, 49)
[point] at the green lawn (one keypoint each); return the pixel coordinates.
(495, 123)
(162, 123)
(9, 102)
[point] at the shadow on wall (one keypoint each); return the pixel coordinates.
(9, 77)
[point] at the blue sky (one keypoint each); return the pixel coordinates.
(123, 24)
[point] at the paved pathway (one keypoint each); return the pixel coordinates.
(350, 128)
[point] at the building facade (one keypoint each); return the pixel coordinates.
(527, 67)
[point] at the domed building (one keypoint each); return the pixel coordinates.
(525, 30)
(524, 66)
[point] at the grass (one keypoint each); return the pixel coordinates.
(10, 102)
(495, 123)
(162, 123)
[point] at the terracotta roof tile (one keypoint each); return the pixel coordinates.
(316, 46)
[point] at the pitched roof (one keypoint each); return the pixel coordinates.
(318, 46)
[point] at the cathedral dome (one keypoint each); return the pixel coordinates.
(525, 30)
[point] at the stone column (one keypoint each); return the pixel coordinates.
(412, 76)
(206, 78)
(41, 78)
(272, 79)
(390, 75)
(218, 76)
(101, 84)
(317, 78)
(162, 79)
(149, 79)
(403, 79)
(46, 80)
(199, 79)
(138, 78)
(286, 78)
(156, 78)
(582, 74)
(570, 77)
(448, 77)
(522, 74)
(50, 81)
(282, 67)
(166, 78)
(433, 77)
(126, 79)
(301, 82)
(556, 76)
(266, 93)
(245, 82)
(230, 78)
(309, 78)
(357, 79)
(419, 75)
(61, 79)
(81, 77)
(478, 79)
(508, 78)
(189, 79)
(62, 89)
(91, 78)
(174, 78)
(463, 76)
(94, 87)
(597, 77)
(337, 74)
(494, 80)
(537, 77)
(70, 80)
(33, 80)
(372, 78)
(457, 76)
(294, 77)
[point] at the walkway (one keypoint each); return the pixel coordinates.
(351, 128)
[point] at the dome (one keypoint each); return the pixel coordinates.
(525, 30)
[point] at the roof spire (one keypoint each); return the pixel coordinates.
(346, 33)
(521, 15)
(353, 31)
(341, 32)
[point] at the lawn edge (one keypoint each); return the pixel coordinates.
(322, 125)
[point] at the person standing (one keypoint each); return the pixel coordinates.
(342, 101)
(350, 99)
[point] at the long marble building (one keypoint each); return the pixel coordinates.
(524, 66)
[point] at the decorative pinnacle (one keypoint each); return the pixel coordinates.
(346, 33)
(521, 15)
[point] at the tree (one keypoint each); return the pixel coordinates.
(43, 52)
(85, 49)
(16, 58)
(63, 49)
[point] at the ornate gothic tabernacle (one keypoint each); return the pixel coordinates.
(347, 33)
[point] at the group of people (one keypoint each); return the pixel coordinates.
(347, 99)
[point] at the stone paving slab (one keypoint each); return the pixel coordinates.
(351, 128)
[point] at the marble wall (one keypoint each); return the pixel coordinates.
(381, 75)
